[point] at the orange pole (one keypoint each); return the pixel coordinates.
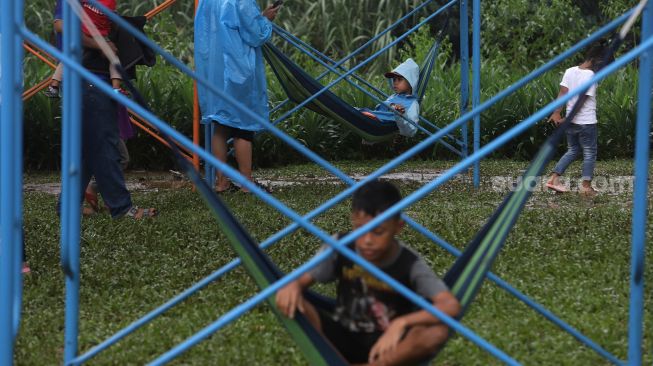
(43, 84)
(39, 56)
(145, 128)
(153, 128)
(163, 6)
(35, 89)
(143, 122)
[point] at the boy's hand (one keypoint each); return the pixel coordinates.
(387, 343)
(289, 299)
(556, 118)
(399, 108)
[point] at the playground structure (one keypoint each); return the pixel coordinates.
(10, 187)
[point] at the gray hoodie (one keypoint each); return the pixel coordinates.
(409, 70)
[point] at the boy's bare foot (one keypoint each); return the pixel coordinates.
(556, 187)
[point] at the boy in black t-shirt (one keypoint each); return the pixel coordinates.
(373, 323)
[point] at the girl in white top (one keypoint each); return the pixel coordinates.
(582, 133)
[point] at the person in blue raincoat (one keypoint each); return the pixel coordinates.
(228, 39)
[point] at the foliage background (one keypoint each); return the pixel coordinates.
(517, 36)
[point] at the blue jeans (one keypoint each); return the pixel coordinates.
(100, 150)
(581, 141)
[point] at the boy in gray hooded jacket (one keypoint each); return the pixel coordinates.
(404, 83)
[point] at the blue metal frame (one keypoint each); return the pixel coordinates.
(640, 196)
(464, 71)
(71, 180)
(70, 248)
(476, 83)
(11, 150)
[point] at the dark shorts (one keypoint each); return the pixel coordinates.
(353, 346)
(237, 133)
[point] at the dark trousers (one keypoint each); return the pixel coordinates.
(100, 149)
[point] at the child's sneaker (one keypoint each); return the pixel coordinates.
(52, 92)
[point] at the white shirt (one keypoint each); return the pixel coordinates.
(573, 78)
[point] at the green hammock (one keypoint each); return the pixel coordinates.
(299, 86)
(464, 278)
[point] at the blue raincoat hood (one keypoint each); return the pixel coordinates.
(228, 39)
(409, 70)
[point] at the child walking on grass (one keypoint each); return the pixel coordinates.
(372, 323)
(583, 131)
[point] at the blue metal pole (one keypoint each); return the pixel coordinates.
(10, 225)
(17, 173)
(233, 174)
(476, 82)
(70, 176)
(420, 193)
(464, 71)
(640, 199)
(462, 119)
(484, 106)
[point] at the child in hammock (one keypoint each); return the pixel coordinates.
(404, 83)
(373, 323)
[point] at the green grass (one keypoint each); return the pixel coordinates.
(570, 254)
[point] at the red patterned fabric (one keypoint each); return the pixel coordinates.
(101, 21)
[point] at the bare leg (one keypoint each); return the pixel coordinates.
(219, 147)
(56, 77)
(243, 151)
(419, 343)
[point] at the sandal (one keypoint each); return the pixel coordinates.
(262, 186)
(92, 200)
(138, 213)
(232, 188)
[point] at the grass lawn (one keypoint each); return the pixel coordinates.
(570, 254)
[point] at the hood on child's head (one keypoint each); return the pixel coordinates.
(409, 70)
